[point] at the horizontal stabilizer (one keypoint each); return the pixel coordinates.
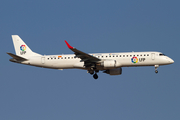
(18, 58)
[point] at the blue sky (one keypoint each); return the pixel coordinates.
(31, 93)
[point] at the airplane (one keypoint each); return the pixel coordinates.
(110, 63)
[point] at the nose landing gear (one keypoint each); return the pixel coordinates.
(156, 67)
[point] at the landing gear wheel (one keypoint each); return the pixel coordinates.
(95, 76)
(156, 71)
(91, 72)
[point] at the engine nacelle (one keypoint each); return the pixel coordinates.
(117, 71)
(110, 64)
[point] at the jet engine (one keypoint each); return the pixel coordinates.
(117, 71)
(110, 64)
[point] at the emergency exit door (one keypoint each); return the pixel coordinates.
(43, 60)
(153, 56)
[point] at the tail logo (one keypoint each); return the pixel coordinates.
(23, 49)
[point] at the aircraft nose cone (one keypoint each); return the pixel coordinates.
(171, 60)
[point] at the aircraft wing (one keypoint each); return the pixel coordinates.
(83, 56)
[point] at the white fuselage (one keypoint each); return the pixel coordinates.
(127, 59)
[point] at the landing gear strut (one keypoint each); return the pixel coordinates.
(93, 72)
(156, 67)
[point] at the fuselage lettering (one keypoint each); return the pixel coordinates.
(142, 59)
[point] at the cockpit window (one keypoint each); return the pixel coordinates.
(162, 54)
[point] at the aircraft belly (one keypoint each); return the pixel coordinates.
(61, 65)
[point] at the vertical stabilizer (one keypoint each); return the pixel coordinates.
(21, 48)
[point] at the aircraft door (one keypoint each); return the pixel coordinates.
(43, 60)
(153, 56)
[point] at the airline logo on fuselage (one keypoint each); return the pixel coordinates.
(135, 59)
(23, 49)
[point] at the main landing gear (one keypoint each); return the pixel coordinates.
(91, 71)
(95, 76)
(156, 67)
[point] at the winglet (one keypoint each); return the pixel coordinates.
(70, 47)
